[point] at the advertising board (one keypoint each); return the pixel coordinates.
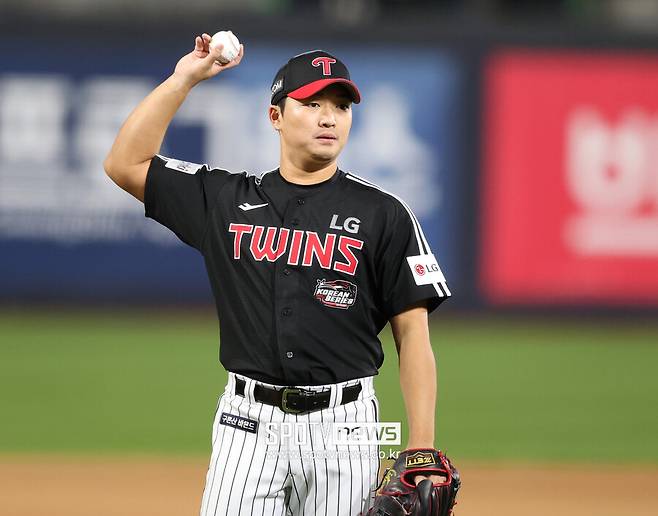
(570, 179)
(67, 232)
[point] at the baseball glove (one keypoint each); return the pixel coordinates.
(399, 495)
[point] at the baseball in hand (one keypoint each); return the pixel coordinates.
(230, 43)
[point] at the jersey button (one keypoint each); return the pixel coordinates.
(300, 201)
(286, 312)
(290, 354)
(286, 271)
(295, 222)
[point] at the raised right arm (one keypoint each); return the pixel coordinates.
(141, 135)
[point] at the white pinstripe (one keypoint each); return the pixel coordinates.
(242, 480)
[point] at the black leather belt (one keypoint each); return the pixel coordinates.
(294, 400)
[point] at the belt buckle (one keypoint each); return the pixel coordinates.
(284, 399)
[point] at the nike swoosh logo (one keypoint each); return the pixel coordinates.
(246, 206)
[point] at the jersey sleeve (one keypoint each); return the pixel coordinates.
(180, 195)
(409, 271)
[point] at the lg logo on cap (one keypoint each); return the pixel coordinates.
(325, 63)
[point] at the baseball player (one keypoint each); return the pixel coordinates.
(307, 264)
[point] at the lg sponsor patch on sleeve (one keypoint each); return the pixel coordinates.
(182, 166)
(425, 269)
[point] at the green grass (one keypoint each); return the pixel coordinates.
(513, 388)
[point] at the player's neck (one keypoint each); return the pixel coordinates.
(306, 175)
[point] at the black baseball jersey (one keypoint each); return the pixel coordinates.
(304, 277)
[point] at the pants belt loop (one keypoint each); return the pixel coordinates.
(336, 396)
(367, 387)
(230, 384)
(249, 390)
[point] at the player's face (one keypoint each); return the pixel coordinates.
(315, 130)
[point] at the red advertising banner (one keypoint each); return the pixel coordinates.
(570, 186)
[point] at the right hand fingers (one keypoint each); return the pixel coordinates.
(205, 63)
(198, 44)
(205, 38)
(214, 53)
(202, 43)
(230, 64)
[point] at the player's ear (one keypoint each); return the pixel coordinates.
(275, 115)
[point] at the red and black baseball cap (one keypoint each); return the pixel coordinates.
(306, 74)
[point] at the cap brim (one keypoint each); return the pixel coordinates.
(310, 89)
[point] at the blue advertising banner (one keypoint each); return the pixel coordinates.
(68, 233)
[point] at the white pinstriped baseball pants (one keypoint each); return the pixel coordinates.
(249, 475)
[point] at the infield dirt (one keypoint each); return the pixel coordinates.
(58, 486)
